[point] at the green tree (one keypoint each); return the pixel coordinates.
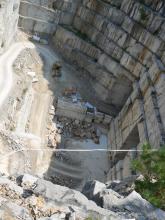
(151, 164)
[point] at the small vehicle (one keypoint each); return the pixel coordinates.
(56, 69)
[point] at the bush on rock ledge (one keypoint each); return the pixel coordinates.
(151, 164)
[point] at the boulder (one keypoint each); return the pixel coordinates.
(28, 180)
(91, 190)
(128, 204)
(124, 187)
(108, 198)
(62, 195)
(133, 203)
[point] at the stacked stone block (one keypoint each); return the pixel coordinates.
(43, 16)
(144, 109)
(78, 111)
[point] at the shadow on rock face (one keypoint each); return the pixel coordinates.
(65, 170)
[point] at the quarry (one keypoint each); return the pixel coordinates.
(82, 88)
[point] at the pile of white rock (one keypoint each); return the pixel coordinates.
(28, 197)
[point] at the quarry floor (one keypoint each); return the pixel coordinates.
(30, 140)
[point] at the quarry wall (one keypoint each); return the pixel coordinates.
(120, 46)
(131, 45)
(114, 43)
(44, 16)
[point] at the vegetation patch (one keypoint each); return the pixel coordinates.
(143, 15)
(151, 164)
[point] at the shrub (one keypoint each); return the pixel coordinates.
(143, 15)
(151, 164)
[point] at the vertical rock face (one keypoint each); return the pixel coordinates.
(120, 45)
(44, 16)
(8, 22)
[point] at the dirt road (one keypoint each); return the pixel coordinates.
(6, 71)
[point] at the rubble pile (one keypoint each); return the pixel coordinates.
(14, 142)
(127, 202)
(31, 198)
(79, 129)
(70, 128)
(22, 198)
(27, 197)
(54, 136)
(64, 180)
